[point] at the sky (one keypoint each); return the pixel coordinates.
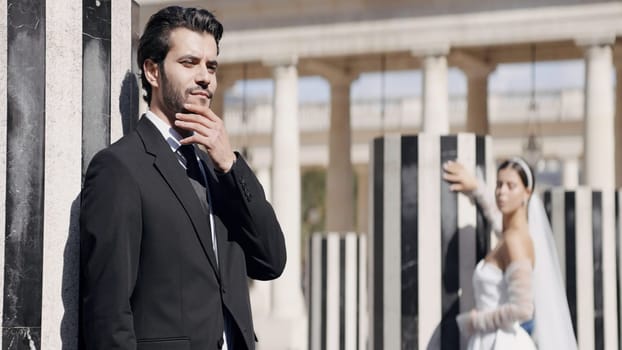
(506, 78)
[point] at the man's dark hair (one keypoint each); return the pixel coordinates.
(154, 43)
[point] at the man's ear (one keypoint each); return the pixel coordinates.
(151, 70)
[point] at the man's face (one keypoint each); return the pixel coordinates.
(188, 73)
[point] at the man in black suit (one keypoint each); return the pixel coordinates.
(169, 233)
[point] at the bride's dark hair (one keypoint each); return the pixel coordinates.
(525, 172)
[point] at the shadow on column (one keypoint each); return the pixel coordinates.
(128, 102)
(71, 281)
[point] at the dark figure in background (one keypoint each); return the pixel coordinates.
(169, 233)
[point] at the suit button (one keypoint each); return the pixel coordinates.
(220, 343)
(223, 290)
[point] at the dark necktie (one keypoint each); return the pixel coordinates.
(194, 175)
(198, 183)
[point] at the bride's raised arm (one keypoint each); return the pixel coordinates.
(474, 186)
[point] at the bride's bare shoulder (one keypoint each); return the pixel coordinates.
(518, 245)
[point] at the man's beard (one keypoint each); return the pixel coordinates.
(173, 99)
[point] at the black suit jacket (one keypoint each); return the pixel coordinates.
(149, 275)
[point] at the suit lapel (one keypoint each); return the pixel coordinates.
(168, 166)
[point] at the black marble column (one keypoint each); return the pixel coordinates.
(483, 227)
(377, 246)
(450, 252)
(95, 78)
(21, 321)
(597, 259)
(409, 238)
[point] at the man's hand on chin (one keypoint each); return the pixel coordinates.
(208, 130)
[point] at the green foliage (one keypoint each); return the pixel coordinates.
(313, 204)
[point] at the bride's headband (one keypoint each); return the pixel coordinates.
(526, 169)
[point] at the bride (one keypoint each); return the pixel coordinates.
(520, 272)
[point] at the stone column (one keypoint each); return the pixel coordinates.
(477, 104)
(218, 102)
(286, 177)
(339, 177)
(570, 173)
(599, 116)
(66, 85)
(618, 117)
(477, 73)
(435, 94)
(337, 303)
(287, 325)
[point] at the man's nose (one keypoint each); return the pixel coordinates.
(203, 77)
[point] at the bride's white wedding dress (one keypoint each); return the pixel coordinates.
(540, 288)
(490, 288)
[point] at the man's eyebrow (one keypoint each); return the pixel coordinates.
(184, 57)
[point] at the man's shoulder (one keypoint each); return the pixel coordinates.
(125, 146)
(125, 150)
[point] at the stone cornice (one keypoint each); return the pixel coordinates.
(334, 74)
(415, 34)
(472, 67)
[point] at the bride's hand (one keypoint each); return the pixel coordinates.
(461, 180)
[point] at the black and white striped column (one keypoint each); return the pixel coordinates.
(53, 85)
(337, 291)
(425, 240)
(583, 223)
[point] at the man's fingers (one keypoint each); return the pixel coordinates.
(198, 128)
(196, 118)
(201, 110)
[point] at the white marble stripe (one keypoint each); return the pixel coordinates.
(63, 142)
(467, 222)
(585, 274)
(3, 136)
(316, 292)
(429, 249)
(392, 266)
(121, 62)
(619, 247)
(370, 247)
(332, 291)
(364, 265)
(558, 226)
(609, 291)
(351, 291)
(491, 178)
